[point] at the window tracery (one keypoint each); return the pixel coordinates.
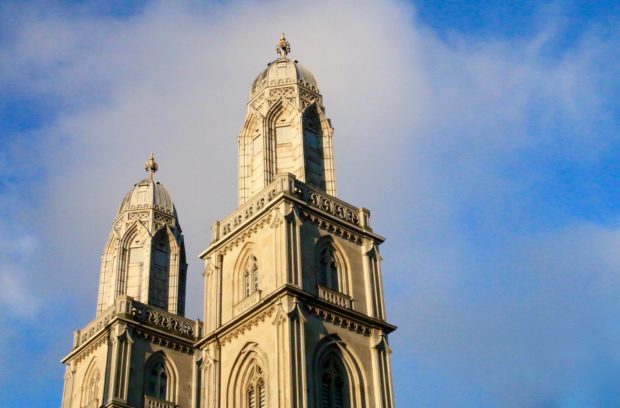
(250, 277)
(332, 384)
(90, 388)
(255, 390)
(157, 381)
(328, 268)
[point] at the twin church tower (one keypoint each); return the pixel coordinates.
(294, 312)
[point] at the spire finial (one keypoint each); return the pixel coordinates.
(283, 47)
(151, 166)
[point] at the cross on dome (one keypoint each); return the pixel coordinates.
(283, 47)
(151, 166)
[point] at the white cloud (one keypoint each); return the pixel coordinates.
(465, 132)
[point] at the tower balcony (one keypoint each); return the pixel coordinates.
(288, 184)
(127, 309)
(151, 402)
(335, 297)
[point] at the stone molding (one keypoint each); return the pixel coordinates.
(328, 210)
(338, 320)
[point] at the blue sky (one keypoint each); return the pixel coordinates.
(484, 137)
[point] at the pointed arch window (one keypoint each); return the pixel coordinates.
(333, 391)
(157, 381)
(328, 268)
(250, 277)
(255, 390)
(90, 389)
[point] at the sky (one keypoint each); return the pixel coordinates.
(484, 136)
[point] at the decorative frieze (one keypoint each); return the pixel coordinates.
(168, 321)
(288, 184)
(248, 325)
(339, 320)
(333, 228)
(164, 341)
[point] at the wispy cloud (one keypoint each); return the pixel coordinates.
(488, 164)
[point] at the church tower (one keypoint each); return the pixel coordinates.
(138, 351)
(294, 308)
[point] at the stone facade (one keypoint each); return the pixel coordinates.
(294, 311)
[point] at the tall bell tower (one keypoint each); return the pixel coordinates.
(294, 308)
(138, 352)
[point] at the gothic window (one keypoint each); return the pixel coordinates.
(157, 381)
(255, 390)
(250, 277)
(160, 270)
(313, 149)
(332, 384)
(328, 268)
(90, 388)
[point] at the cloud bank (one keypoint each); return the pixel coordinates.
(488, 163)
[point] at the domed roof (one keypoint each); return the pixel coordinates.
(284, 71)
(148, 193)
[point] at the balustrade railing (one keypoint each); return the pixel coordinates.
(335, 297)
(287, 183)
(94, 327)
(127, 307)
(151, 402)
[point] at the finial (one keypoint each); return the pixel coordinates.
(151, 166)
(283, 47)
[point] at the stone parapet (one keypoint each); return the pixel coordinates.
(126, 307)
(289, 185)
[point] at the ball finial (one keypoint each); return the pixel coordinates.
(283, 47)
(151, 166)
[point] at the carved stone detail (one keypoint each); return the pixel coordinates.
(333, 228)
(248, 325)
(339, 320)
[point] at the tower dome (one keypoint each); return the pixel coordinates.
(144, 257)
(285, 130)
(284, 71)
(148, 194)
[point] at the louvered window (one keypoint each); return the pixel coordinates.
(255, 395)
(157, 381)
(332, 388)
(328, 269)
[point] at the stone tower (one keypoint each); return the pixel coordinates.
(138, 352)
(294, 308)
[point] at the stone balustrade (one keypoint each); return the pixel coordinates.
(126, 307)
(335, 297)
(164, 320)
(288, 184)
(244, 304)
(94, 327)
(151, 402)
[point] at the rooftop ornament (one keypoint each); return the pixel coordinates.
(283, 47)
(151, 166)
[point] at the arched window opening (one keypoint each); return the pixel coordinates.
(160, 271)
(90, 389)
(250, 277)
(255, 390)
(157, 382)
(332, 384)
(328, 268)
(313, 149)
